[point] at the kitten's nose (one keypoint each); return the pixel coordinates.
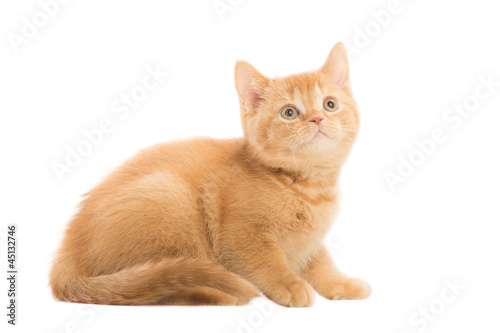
(316, 119)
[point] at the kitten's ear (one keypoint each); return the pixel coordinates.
(336, 66)
(250, 84)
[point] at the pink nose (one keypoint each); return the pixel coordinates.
(316, 119)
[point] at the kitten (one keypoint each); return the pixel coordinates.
(207, 221)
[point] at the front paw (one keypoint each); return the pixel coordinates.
(295, 293)
(349, 288)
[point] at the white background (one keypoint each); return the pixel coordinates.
(440, 224)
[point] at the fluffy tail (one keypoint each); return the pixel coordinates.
(164, 282)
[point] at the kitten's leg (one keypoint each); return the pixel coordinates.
(329, 282)
(264, 265)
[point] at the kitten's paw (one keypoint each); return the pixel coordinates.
(297, 293)
(350, 288)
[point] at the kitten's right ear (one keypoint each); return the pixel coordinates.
(336, 67)
(250, 85)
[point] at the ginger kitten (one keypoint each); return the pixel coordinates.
(215, 222)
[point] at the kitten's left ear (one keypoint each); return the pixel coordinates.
(336, 66)
(250, 85)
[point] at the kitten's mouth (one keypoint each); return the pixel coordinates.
(319, 134)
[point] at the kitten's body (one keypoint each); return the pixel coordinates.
(206, 221)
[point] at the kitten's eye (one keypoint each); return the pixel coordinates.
(289, 112)
(330, 104)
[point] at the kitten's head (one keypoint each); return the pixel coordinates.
(303, 119)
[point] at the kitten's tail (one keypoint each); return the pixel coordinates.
(168, 281)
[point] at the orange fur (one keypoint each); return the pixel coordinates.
(206, 221)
